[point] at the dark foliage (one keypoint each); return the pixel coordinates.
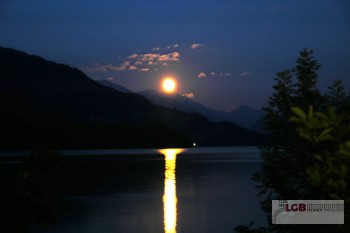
(308, 155)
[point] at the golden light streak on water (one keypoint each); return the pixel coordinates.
(169, 197)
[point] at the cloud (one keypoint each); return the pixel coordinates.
(213, 74)
(202, 75)
(189, 95)
(194, 46)
(122, 66)
(245, 74)
(156, 49)
(99, 68)
(110, 79)
(175, 56)
(133, 61)
(106, 68)
(153, 57)
(133, 56)
(173, 46)
(149, 56)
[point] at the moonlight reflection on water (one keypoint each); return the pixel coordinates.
(169, 197)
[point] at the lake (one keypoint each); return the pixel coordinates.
(152, 191)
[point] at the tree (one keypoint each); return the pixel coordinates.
(279, 104)
(337, 97)
(290, 170)
(285, 160)
(306, 69)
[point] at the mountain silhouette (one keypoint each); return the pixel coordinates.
(114, 86)
(46, 103)
(246, 116)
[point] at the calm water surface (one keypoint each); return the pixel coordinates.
(169, 191)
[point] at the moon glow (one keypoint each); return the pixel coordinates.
(169, 85)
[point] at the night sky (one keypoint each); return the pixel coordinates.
(223, 53)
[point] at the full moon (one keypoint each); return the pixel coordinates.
(169, 85)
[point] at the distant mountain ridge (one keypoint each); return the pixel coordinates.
(243, 116)
(45, 103)
(246, 116)
(114, 86)
(175, 101)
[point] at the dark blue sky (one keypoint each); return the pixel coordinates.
(223, 52)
